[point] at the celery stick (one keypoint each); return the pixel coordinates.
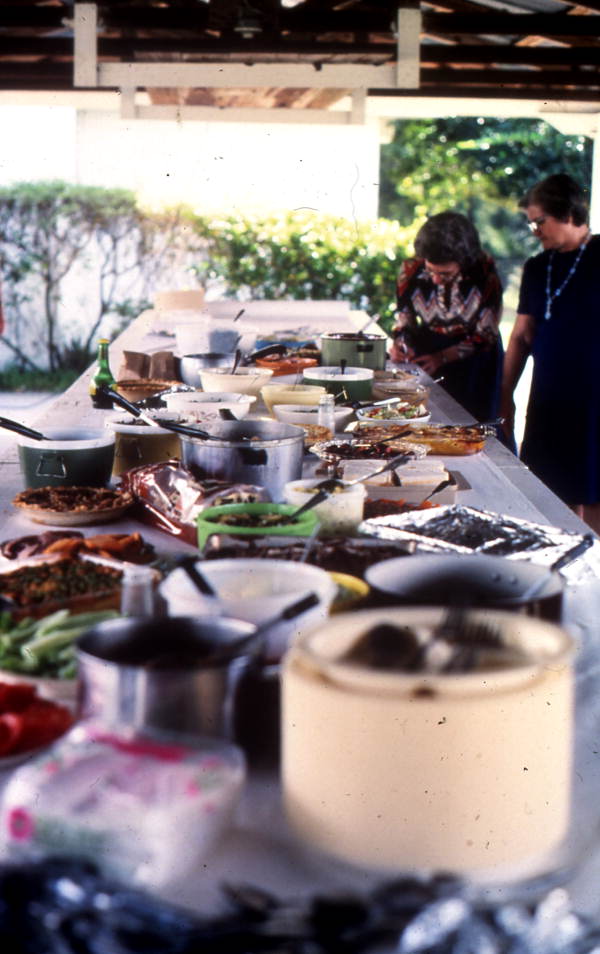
(45, 646)
(48, 623)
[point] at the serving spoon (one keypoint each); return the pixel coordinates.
(536, 588)
(166, 425)
(9, 425)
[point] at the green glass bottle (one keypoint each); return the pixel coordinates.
(102, 378)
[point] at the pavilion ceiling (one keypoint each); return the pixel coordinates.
(533, 49)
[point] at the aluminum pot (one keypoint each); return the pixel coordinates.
(190, 365)
(74, 456)
(176, 674)
(264, 453)
(482, 581)
(357, 350)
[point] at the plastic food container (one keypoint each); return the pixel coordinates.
(201, 333)
(467, 771)
(144, 809)
(340, 513)
(354, 384)
(137, 444)
(255, 591)
(211, 521)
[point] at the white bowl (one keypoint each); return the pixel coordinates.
(255, 591)
(273, 394)
(199, 404)
(307, 414)
(340, 513)
(244, 381)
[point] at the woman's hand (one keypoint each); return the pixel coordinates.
(430, 363)
(400, 352)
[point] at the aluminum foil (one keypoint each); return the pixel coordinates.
(459, 529)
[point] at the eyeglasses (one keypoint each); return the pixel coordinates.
(534, 224)
(445, 274)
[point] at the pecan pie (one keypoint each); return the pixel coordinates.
(73, 505)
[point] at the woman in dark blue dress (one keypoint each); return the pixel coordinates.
(558, 324)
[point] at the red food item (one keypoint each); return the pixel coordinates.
(290, 365)
(16, 696)
(10, 732)
(28, 722)
(384, 508)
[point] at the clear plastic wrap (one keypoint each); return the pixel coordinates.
(169, 497)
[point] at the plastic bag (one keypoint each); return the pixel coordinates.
(170, 498)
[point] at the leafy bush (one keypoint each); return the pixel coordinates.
(304, 255)
(77, 262)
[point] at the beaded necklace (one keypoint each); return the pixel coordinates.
(550, 296)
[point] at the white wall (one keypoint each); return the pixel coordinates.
(37, 143)
(214, 167)
(233, 166)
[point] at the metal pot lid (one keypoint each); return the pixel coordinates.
(250, 434)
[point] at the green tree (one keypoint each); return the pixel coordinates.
(50, 231)
(480, 167)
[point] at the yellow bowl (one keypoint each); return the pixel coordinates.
(273, 394)
(351, 591)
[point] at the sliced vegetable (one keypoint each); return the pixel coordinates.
(46, 647)
(28, 722)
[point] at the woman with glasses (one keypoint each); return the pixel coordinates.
(449, 306)
(558, 324)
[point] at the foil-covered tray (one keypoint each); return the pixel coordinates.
(460, 529)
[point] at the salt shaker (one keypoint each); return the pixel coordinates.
(137, 591)
(326, 412)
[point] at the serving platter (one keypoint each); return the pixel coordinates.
(353, 448)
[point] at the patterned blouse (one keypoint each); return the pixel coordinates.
(470, 305)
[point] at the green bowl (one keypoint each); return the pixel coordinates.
(209, 521)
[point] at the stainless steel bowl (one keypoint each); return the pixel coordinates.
(190, 365)
(177, 674)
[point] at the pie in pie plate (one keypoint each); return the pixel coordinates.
(73, 506)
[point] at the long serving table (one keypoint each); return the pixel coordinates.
(260, 849)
